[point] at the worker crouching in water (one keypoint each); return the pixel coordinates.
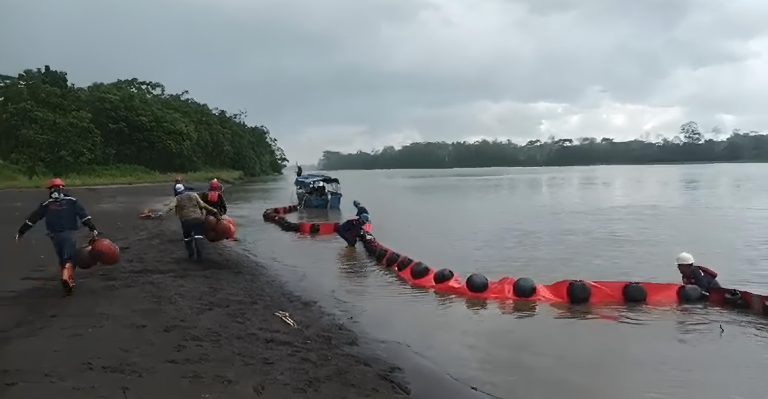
(352, 229)
(363, 210)
(703, 277)
(214, 197)
(63, 215)
(191, 212)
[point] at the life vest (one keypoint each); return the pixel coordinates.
(707, 272)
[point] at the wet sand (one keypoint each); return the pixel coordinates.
(159, 325)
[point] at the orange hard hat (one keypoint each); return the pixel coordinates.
(55, 183)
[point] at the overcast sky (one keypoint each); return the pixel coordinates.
(361, 74)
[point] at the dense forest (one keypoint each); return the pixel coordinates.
(688, 146)
(49, 126)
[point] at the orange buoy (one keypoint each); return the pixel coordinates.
(83, 258)
(217, 230)
(105, 251)
(230, 228)
(210, 223)
(229, 220)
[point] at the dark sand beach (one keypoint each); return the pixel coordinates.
(160, 326)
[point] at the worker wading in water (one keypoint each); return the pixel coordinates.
(353, 229)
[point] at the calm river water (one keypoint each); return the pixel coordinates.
(594, 223)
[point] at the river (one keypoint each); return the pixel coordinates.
(592, 223)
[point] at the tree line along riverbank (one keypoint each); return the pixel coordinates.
(688, 146)
(126, 131)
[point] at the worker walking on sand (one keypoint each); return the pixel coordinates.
(191, 212)
(704, 277)
(215, 197)
(63, 215)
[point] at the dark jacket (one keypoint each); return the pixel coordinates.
(351, 230)
(703, 277)
(361, 210)
(216, 200)
(60, 214)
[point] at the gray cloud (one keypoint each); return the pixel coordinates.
(359, 74)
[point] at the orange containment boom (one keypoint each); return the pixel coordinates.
(477, 286)
(277, 216)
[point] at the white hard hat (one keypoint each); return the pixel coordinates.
(685, 259)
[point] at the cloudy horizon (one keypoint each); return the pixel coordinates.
(364, 74)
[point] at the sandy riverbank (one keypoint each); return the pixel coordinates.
(159, 325)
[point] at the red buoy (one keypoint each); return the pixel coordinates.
(105, 251)
(217, 230)
(229, 229)
(83, 258)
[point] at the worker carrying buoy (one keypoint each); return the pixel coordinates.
(703, 277)
(63, 215)
(191, 212)
(215, 197)
(362, 210)
(352, 229)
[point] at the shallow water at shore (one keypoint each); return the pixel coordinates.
(599, 223)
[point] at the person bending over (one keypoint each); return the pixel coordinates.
(704, 277)
(215, 197)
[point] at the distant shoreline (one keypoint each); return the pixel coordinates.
(562, 166)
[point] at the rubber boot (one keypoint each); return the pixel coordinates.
(198, 248)
(68, 278)
(190, 248)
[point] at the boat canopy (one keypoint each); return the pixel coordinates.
(312, 180)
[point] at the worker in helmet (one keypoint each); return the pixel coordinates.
(180, 182)
(360, 211)
(704, 277)
(190, 210)
(63, 215)
(215, 197)
(353, 229)
(360, 208)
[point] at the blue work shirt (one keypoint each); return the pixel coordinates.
(60, 214)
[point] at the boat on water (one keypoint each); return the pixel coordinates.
(318, 191)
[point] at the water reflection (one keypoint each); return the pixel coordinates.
(351, 264)
(476, 305)
(518, 309)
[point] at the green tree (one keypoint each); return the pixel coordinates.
(751, 146)
(48, 125)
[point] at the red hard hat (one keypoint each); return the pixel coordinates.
(55, 183)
